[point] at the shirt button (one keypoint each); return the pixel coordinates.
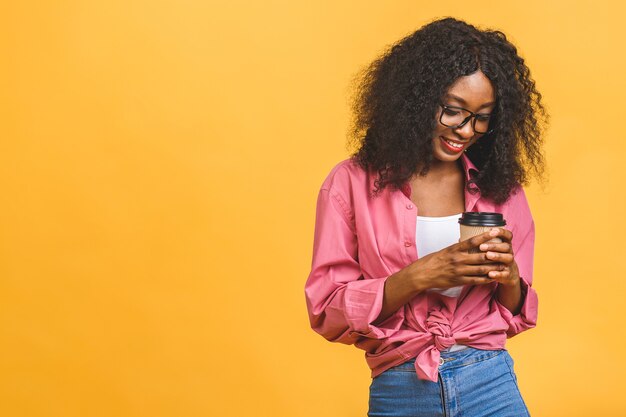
(409, 206)
(407, 244)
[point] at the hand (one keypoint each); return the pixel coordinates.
(454, 265)
(502, 253)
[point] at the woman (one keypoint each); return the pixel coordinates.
(447, 120)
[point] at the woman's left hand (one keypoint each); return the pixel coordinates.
(502, 253)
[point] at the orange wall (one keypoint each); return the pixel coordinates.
(159, 167)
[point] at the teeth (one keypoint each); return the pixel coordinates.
(456, 145)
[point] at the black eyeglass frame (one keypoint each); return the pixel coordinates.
(467, 119)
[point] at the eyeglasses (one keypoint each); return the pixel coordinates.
(457, 117)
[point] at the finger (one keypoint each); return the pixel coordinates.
(478, 270)
(476, 241)
(496, 247)
(476, 259)
(505, 258)
(504, 234)
(499, 274)
(469, 280)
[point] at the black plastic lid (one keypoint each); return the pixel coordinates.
(482, 218)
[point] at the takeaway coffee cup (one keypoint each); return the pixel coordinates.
(474, 223)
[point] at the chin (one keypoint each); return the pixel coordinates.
(447, 158)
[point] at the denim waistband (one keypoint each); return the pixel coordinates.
(450, 360)
(466, 357)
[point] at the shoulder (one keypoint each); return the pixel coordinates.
(517, 212)
(517, 200)
(345, 176)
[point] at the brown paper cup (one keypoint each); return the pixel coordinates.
(468, 232)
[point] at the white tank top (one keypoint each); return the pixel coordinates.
(434, 234)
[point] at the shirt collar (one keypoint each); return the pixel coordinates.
(469, 166)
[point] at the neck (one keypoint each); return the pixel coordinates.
(440, 169)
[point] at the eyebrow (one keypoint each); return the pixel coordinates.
(459, 99)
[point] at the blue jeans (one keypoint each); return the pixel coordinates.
(472, 383)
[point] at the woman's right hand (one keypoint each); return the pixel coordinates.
(454, 266)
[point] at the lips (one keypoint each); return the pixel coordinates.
(450, 147)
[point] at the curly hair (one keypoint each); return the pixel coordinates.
(396, 96)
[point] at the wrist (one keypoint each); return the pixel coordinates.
(511, 283)
(511, 296)
(417, 282)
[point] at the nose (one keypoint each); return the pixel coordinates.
(466, 131)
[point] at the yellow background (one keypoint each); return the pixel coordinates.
(159, 167)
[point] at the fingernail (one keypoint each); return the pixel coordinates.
(484, 246)
(494, 232)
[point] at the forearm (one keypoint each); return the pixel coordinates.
(399, 290)
(510, 296)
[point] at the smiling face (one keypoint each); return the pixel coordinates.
(473, 92)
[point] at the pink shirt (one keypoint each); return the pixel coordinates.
(360, 241)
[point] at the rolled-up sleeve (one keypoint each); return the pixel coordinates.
(341, 303)
(523, 250)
